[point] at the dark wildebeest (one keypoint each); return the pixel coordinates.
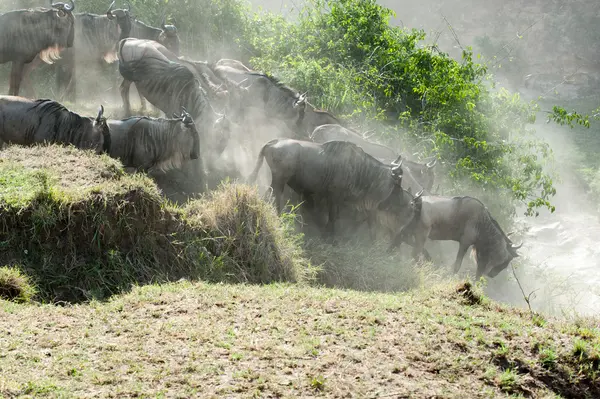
(154, 145)
(166, 35)
(276, 99)
(209, 82)
(417, 176)
(26, 122)
(26, 33)
(465, 220)
(97, 38)
(171, 86)
(338, 171)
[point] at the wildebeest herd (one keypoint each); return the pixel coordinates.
(328, 166)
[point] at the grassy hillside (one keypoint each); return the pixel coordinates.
(81, 228)
(75, 228)
(203, 340)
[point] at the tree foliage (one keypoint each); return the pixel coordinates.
(353, 63)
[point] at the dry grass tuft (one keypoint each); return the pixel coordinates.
(15, 286)
(471, 295)
(250, 242)
(367, 267)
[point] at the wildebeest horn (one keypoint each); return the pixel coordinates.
(100, 112)
(420, 193)
(395, 163)
(109, 13)
(431, 164)
(396, 167)
(70, 8)
(366, 134)
(515, 247)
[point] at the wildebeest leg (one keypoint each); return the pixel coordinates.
(462, 250)
(65, 76)
(142, 100)
(277, 185)
(27, 85)
(420, 236)
(371, 218)
(16, 75)
(333, 214)
(124, 88)
(410, 240)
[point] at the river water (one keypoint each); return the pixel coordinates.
(560, 257)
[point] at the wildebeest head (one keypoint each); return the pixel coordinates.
(191, 139)
(423, 173)
(64, 12)
(98, 137)
(169, 37)
(122, 17)
(494, 255)
(396, 170)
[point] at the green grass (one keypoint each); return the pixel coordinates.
(285, 340)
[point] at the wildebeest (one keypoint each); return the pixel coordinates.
(207, 79)
(417, 176)
(276, 99)
(331, 132)
(26, 33)
(166, 35)
(467, 221)
(155, 145)
(314, 118)
(97, 37)
(171, 86)
(26, 122)
(338, 171)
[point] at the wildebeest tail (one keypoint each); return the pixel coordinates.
(259, 161)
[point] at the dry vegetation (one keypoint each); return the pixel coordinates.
(203, 340)
(82, 228)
